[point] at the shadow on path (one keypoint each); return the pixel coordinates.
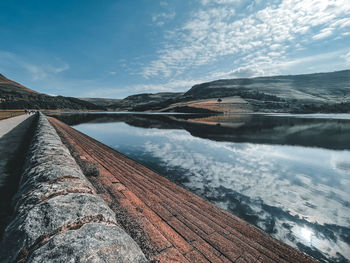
(13, 148)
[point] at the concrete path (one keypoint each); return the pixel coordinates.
(8, 124)
(12, 131)
(12, 136)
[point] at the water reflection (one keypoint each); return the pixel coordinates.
(295, 193)
(330, 133)
(306, 234)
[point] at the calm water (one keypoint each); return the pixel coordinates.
(287, 174)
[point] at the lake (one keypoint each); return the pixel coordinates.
(286, 174)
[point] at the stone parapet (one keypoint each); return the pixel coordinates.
(58, 217)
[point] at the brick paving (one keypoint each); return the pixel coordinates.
(169, 223)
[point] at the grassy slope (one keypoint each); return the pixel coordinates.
(319, 92)
(319, 87)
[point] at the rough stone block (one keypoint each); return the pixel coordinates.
(92, 243)
(46, 218)
(57, 215)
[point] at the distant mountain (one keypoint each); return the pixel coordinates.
(15, 96)
(308, 93)
(145, 101)
(242, 128)
(319, 92)
(104, 102)
(319, 87)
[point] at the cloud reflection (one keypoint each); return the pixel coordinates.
(299, 195)
(289, 184)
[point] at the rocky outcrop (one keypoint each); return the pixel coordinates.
(58, 217)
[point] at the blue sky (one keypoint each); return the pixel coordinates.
(116, 48)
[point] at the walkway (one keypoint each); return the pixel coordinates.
(12, 135)
(7, 125)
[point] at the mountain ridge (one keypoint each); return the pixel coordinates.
(16, 96)
(303, 93)
(298, 83)
(7, 82)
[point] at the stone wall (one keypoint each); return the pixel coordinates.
(58, 217)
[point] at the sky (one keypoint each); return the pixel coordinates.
(116, 48)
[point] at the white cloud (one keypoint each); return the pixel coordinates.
(326, 32)
(161, 18)
(57, 68)
(347, 57)
(163, 3)
(217, 31)
(155, 67)
(36, 71)
(247, 71)
(220, 2)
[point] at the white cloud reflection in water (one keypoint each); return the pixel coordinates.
(308, 182)
(300, 190)
(295, 178)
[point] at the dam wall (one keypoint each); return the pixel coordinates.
(57, 214)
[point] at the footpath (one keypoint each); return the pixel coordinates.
(9, 124)
(12, 137)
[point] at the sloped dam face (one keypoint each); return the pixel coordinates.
(286, 174)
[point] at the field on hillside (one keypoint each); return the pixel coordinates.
(231, 104)
(226, 105)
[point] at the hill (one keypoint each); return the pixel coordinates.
(7, 84)
(104, 102)
(146, 101)
(319, 92)
(307, 93)
(318, 87)
(15, 96)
